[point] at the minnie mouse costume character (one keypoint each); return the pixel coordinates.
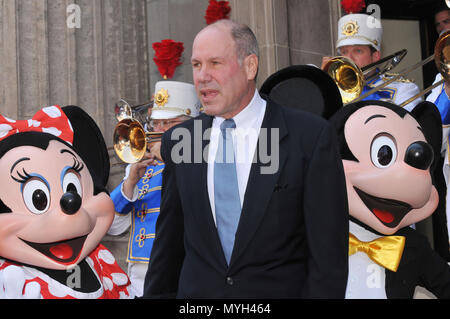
(54, 209)
(388, 158)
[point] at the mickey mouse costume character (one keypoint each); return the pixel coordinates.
(54, 209)
(388, 156)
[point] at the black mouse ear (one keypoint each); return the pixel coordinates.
(338, 121)
(89, 143)
(304, 87)
(429, 118)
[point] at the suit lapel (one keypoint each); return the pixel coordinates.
(260, 186)
(204, 216)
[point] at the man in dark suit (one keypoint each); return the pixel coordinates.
(267, 220)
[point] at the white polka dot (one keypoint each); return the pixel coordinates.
(4, 129)
(106, 256)
(52, 130)
(56, 291)
(33, 123)
(9, 120)
(123, 295)
(119, 279)
(107, 284)
(52, 111)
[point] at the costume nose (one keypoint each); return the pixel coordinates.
(70, 203)
(419, 155)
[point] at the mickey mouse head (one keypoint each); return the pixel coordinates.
(388, 155)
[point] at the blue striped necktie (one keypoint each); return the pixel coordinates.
(226, 190)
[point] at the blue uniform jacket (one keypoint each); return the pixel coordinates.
(144, 212)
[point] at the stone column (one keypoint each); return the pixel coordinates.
(312, 32)
(92, 63)
(290, 31)
(9, 87)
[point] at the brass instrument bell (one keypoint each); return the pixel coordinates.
(350, 79)
(442, 55)
(130, 138)
(347, 76)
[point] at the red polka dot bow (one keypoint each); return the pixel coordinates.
(50, 119)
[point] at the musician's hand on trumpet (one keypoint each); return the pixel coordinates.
(136, 172)
(155, 152)
(325, 61)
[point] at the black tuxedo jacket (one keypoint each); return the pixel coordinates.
(420, 266)
(292, 237)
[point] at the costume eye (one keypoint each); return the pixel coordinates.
(36, 196)
(383, 151)
(71, 183)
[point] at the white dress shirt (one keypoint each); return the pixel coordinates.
(366, 279)
(245, 138)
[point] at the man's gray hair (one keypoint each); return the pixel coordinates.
(245, 40)
(243, 36)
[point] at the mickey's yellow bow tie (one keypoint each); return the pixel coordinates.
(385, 251)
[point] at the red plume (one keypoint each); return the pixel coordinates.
(167, 56)
(217, 10)
(353, 6)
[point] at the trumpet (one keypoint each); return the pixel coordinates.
(130, 139)
(123, 110)
(350, 79)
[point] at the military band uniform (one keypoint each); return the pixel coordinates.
(397, 92)
(364, 30)
(140, 213)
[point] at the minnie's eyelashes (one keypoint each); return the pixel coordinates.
(77, 166)
(23, 178)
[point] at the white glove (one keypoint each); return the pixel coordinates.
(12, 282)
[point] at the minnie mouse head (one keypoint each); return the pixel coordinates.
(53, 206)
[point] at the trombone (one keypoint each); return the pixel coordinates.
(350, 79)
(130, 139)
(441, 58)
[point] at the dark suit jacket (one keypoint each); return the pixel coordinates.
(292, 237)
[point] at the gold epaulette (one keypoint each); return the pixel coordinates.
(389, 75)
